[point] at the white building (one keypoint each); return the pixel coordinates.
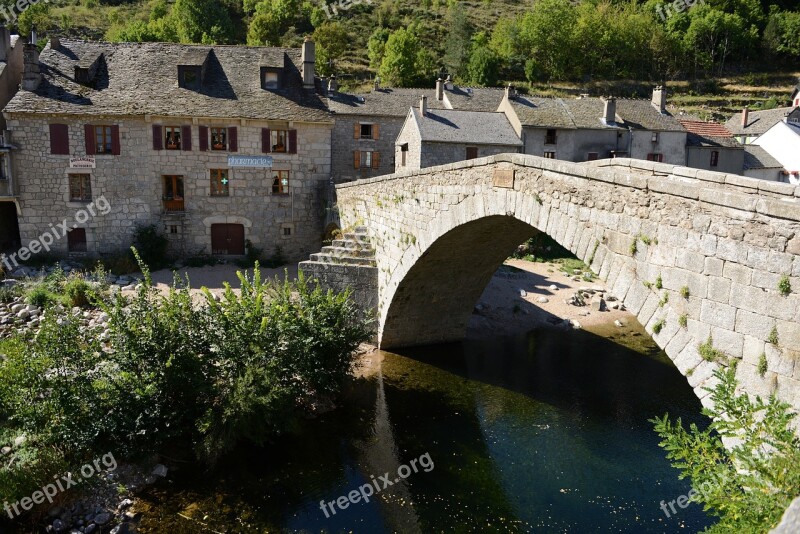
(782, 142)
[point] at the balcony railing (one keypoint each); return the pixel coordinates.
(173, 205)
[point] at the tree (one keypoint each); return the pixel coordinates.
(457, 43)
(202, 21)
(483, 64)
(750, 484)
(331, 40)
(546, 37)
(377, 45)
(399, 64)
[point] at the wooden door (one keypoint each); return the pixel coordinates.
(227, 239)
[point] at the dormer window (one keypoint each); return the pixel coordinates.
(189, 77)
(271, 78)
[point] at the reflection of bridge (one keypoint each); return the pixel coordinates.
(695, 255)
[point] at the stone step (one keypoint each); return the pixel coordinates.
(359, 238)
(351, 245)
(348, 252)
(361, 230)
(325, 258)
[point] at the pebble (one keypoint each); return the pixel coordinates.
(543, 300)
(553, 287)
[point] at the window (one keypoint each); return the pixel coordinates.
(271, 80)
(103, 140)
(219, 138)
(366, 159)
(592, 156)
(654, 138)
(366, 131)
(287, 231)
(550, 154)
(279, 140)
(172, 137)
(280, 182)
(403, 154)
(80, 187)
(189, 77)
(714, 158)
(550, 137)
(76, 240)
(3, 167)
(173, 193)
(655, 157)
(219, 183)
(472, 152)
(173, 228)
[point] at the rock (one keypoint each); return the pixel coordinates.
(127, 503)
(129, 287)
(553, 287)
(576, 271)
(160, 470)
(59, 526)
(5, 451)
(575, 324)
(90, 529)
(598, 304)
(102, 518)
(55, 511)
(31, 307)
(102, 318)
(598, 289)
(543, 300)
(20, 441)
(523, 293)
(16, 308)
(618, 323)
(610, 298)
(122, 528)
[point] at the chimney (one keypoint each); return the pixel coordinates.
(448, 83)
(31, 75)
(610, 110)
(439, 89)
(510, 92)
(54, 42)
(5, 42)
(333, 85)
(309, 56)
(423, 106)
(660, 98)
(745, 115)
(377, 82)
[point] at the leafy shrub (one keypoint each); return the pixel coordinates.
(709, 353)
(751, 484)
(762, 364)
(39, 295)
(9, 292)
(151, 245)
(200, 261)
(784, 285)
(77, 291)
(658, 326)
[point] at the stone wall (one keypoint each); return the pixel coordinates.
(434, 154)
(717, 245)
(730, 159)
(133, 186)
(344, 143)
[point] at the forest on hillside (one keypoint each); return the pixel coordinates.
(480, 43)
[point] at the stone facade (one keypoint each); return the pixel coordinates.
(132, 183)
(720, 244)
(344, 143)
(728, 160)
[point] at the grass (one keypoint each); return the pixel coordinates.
(659, 282)
(634, 248)
(685, 292)
(784, 285)
(658, 326)
(762, 364)
(772, 339)
(709, 353)
(683, 320)
(664, 300)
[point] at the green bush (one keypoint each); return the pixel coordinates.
(9, 292)
(39, 295)
(151, 245)
(77, 291)
(748, 486)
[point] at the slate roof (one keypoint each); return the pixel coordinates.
(755, 157)
(142, 78)
(472, 127)
(382, 102)
(587, 113)
(708, 134)
(758, 122)
(475, 98)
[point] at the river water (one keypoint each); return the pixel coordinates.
(542, 432)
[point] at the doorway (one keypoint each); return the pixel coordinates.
(227, 239)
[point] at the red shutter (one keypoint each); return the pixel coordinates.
(376, 160)
(91, 148)
(115, 140)
(186, 138)
(357, 131)
(292, 141)
(233, 139)
(59, 139)
(266, 140)
(376, 131)
(204, 138)
(356, 159)
(158, 137)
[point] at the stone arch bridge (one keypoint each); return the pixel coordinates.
(420, 247)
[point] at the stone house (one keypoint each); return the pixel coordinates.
(587, 128)
(710, 146)
(437, 137)
(759, 164)
(748, 125)
(10, 75)
(217, 145)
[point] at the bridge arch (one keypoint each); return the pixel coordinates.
(719, 244)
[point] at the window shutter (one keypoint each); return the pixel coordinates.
(376, 131)
(233, 139)
(91, 148)
(204, 138)
(59, 139)
(266, 140)
(158, 137)
(357, 131)
(356, 159)
(292, 141)
(376, 160)
(186, 138)
(115, 140)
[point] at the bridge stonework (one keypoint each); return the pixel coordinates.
(719, 244)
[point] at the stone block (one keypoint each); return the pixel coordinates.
(719, 289)
(691, 261)
(718, 314)
(713, 266)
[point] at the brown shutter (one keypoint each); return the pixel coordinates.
(186, 138)
(115, 140)
(376, 131)
(266, 140)
(356, 159)
(59, 139)
(233, 139)
(376, 160)
(91, 148)
(292, 141)
(204, 138)
(357, 131)
(158, 137)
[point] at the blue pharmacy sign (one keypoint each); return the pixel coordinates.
(252, 162)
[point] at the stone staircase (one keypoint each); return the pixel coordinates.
(353, 249)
